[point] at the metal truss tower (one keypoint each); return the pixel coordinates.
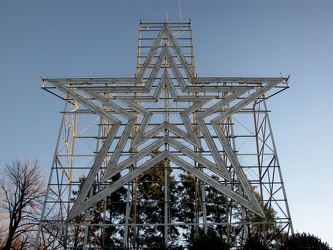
(161, 156)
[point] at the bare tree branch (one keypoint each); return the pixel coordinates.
(22, 188)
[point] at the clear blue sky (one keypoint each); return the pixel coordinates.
(41, 38)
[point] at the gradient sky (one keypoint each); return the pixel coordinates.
(44, 38)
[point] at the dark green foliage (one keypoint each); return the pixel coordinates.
(115, 207)
(110, 210)
(303, 242)
(254, 244)
(217, 207)
(151, 207)
(187, 206)
(209, 241)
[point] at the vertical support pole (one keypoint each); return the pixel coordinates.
(71, 159)
(86, 232)
(166, 201)
(203, 206)
(135, 183)
(197, 199)
(128, 209)
(166, 183)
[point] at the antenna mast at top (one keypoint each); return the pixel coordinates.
(180, 11)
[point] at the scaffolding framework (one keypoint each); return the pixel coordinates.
(168, 140)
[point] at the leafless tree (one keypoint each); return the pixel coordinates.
(52, 234)
(3, 224)
(22, 188)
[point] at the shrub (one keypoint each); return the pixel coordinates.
(304, 241)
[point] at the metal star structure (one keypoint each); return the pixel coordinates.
(189, 116)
